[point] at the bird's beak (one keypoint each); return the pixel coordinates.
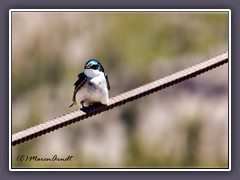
(87, 66)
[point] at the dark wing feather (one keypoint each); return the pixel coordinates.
(78, 84)
(108, 85)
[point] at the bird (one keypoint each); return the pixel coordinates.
(92, 85)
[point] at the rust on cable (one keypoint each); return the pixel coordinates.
(84, 113)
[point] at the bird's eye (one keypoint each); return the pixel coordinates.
(94, 66)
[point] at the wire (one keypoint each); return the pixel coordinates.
(84, 113)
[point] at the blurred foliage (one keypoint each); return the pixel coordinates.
(40, 67)
(132, 40)
(140, 38)
(130, 46)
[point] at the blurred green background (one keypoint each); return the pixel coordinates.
(182, 126)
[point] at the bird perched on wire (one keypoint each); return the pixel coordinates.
(92, 85)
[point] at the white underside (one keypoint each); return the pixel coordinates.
(92, 73)
(93, 91)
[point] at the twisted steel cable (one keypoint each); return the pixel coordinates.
(84, 113)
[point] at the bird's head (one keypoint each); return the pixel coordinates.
(93, 68)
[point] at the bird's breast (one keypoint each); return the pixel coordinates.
(94, 90)
(98, 82)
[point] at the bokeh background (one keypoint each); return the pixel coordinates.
(179, 127)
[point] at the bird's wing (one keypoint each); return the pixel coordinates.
(108, 85)
(78, 84)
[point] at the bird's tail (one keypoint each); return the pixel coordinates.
(72, 104)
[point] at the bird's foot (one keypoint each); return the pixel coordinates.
(82, 103)
(92, 107)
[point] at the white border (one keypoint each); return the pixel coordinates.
(229, 89)
(10, 90)
(118, 10)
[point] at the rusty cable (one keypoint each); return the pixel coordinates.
(84, 113)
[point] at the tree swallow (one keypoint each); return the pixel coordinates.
(92, 85)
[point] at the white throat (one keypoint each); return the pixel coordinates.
(92, 72)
